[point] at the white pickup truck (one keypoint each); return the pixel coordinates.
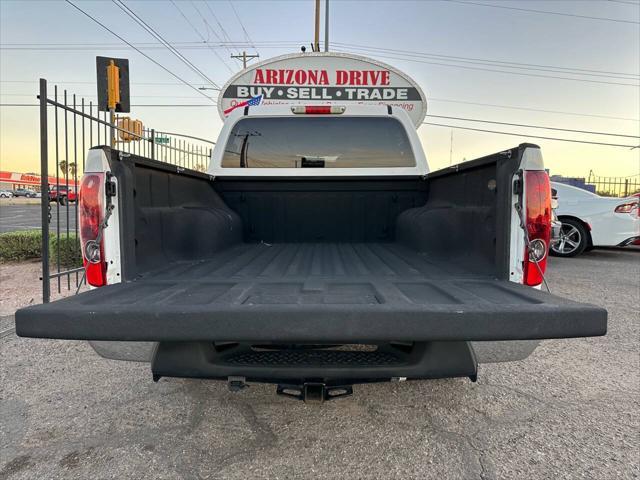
(317, 252)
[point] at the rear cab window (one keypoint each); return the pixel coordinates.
(318, 142)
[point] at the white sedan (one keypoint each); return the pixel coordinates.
(589, 220)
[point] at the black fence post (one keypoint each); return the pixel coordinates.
(153, 144)
(44, 190)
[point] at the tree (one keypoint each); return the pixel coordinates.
(63, 165)
(72, 169)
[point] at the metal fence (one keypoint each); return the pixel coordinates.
(69, 126)
(614, 186)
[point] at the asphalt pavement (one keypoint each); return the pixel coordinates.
(28, 217)
(571, 410)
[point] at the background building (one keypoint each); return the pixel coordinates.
(30, 181)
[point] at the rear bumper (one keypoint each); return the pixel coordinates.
(486, 352)
(299, 365)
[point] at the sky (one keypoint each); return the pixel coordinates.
(52, 40)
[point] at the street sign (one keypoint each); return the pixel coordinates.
(162, 140)
(122, 96)
(326, 78)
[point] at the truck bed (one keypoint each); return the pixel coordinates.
(306, 292)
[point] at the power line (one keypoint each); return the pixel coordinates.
(426, 55)
(534, 126)
(424, 123)
(136, 49)
(591, 132)
(512, 107)
(432, 116)
(246, 34)
(500, 63)
(500, 71)
(515, 66)
(92, 95)
(208, 26)
(635, 4)
(184, 44)
(215, 17)
(546, 12)
(200, 35)
(430, 99)
(93, 83)
(201, 46)
(529, 136)
(208, 105)
(159, 37)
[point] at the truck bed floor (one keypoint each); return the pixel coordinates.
(265, 262)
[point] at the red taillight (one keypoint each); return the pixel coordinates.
(631, 208)
(91, 205)
(538, 224)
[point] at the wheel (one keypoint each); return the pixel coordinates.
(63, 200)
(573, 239)
(2, 195)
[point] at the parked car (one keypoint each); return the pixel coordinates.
(23, 192)
(62, 194)
(270, 269)
(590, 220)
(6, 194)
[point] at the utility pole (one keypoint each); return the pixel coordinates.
(326, 25)
(451, 149)
(316, 37)
(244, 57)
(244, 148)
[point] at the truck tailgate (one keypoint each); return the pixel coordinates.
(313, 293)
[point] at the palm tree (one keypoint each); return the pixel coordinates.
(72, 169)
(63, 165)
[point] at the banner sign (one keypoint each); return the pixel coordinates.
(16, 178)
(323, 79)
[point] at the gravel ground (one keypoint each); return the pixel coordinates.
(569, 411)
(21, 285)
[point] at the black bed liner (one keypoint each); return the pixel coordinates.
(303, 292)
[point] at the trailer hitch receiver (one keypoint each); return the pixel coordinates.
(312, 392)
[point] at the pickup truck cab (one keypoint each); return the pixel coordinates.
(62, 194)
(317, 252)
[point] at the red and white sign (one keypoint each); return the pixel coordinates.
(18, 179)
(323, 79)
